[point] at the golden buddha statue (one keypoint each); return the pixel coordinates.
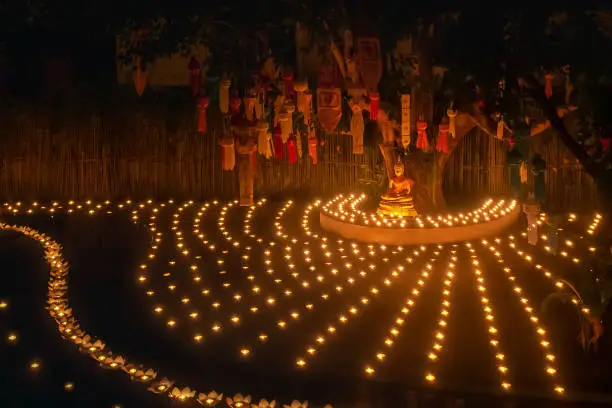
(397, 200)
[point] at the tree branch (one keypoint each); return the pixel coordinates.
(550, 111)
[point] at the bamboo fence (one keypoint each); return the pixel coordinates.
(158, 154)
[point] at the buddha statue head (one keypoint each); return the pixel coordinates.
(398, 169)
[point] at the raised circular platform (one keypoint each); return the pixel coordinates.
(368, 228)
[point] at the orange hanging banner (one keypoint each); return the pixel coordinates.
(329, 107)
(140, 76)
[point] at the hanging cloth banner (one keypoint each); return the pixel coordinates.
(312, 147)
(374, 105)
(279, 152)
(452, 122)
(140, 76)
(298, 143)
(442, 142)
(291, 149)
(304, 100)
(263, 142)
(523, 173)
(370, 62)
(202, 105)
(357, 128)
(249, 107)
(224, 96)
(329, 107)
(500, 128)
(235, 103)
(290, 108)
(548, 90)
(405, 120)
(228, 157)
(283, 121)
(195, 76)
(422, 142)
(246, 171)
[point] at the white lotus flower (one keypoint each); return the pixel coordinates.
(146, 376)
(182, 394)
(132, 369)
(210, 399)
(161, 386)
(113, 363)
(238, 401)
(297, 404)
(264, 404)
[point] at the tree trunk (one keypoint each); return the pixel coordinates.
(427, 169)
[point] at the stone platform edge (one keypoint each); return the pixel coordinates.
(417, 236)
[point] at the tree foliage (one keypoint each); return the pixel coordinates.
(478, 47)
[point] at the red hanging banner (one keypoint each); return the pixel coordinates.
(203, 102)
(422, 142)
(292, 150)
(442, 142)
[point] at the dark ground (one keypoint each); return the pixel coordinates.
(105, 251)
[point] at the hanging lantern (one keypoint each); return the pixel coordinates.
(235, 103)
(304, 100)
(249, 107)
(140, 76)
(442, 142)
(291, 150)
(422, 142)
(374, 101)
(279, 151)
(290, 108)
(288, 84)
(312, 147)
(283, 121)
(263, 142)
(452, 122)
(228, 157)
(203, 102)
(405, 120)
(224, 96)
(195, 76)
(357, 128)
(548, 90)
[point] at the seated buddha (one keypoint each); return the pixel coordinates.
(397, 200)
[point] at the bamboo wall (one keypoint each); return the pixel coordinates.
(478, 166)
(145, 154)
